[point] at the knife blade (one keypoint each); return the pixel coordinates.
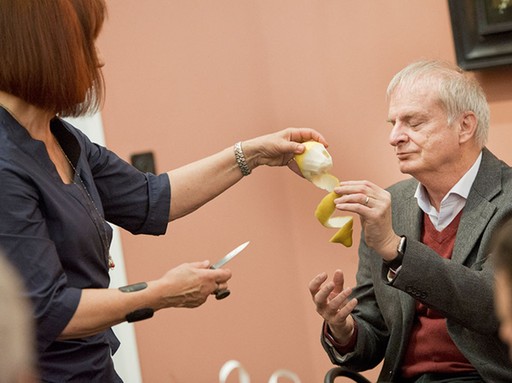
(229, 256)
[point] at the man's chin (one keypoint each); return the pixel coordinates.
(404, 167)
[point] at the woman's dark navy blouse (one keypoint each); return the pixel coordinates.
(56, 236)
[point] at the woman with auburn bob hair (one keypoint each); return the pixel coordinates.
(59, 190)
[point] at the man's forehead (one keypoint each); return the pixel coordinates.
(414, 100)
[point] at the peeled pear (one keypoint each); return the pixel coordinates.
(315, 163)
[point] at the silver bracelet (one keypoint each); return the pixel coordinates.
(240, 159)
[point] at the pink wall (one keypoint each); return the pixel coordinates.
(186, 78)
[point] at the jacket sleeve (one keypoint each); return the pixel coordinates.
(136, 201)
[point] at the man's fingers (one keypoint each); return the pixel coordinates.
(342, 298)
(321, 298)
(339, 281)
(346, 310)
(316, 283)
(331, 300)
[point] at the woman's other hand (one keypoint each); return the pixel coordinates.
(190, 284)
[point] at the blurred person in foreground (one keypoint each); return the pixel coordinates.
(423, 300)
(502, 257)
(17, 364)
(58, 190)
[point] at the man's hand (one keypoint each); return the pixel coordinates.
(333, 303)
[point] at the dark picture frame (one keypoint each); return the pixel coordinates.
(482, 32)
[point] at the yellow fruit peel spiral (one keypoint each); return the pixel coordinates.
(315, 163)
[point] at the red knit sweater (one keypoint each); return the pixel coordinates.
(430, 347)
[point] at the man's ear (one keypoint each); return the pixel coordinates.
(467, 126)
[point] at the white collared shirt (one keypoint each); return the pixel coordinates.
(452, 203)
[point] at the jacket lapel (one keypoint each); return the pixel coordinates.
(479, 209)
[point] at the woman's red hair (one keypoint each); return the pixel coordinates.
(48, 56)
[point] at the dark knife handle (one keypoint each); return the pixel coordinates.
(221, 294)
